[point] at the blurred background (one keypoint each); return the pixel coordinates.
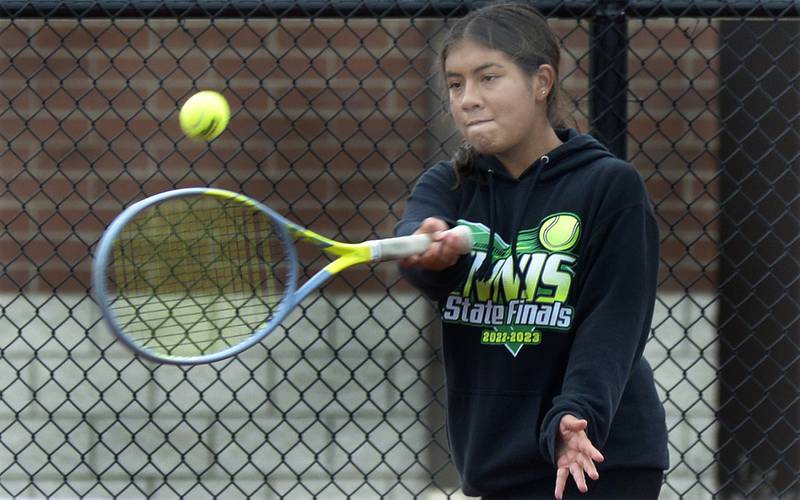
(336, 112)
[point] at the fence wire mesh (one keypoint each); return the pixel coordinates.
(333, 120)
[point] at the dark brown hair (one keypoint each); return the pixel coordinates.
(521, 32)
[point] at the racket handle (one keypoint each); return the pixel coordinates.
(406, 246)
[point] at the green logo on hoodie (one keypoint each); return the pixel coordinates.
(514, 299)
(560, 232)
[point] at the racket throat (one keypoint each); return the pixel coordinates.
(349, 255)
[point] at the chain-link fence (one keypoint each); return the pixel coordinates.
(335, 114)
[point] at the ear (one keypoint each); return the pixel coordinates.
(543, 82)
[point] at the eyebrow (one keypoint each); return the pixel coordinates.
(476, 70)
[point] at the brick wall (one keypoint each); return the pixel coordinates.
(674, 142)
(332, 114)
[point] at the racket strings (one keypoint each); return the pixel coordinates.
(195, 275)
(149, 340)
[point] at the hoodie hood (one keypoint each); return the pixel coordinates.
(578, 150)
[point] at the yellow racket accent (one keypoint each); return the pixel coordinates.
(350, 254)
(228, 195)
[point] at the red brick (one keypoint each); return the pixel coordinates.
(9, 250)
(112, 37)
(651, 133)
(13, 161)
(71, 219)
(297, 65)
(682, 216)
(57, 187)
(292, 99)
(706, 127)
(15, 277)
(314, 36)
(247, 35)
(12, 82)
(343, 39)
(11, 125)
(677, 36)
(44, 35)
(307, 35)
(13, 36)
(26, 63)
(61, 277)
(24, 186)
(78, 36)
(658, 188)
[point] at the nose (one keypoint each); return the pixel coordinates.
(471, 97)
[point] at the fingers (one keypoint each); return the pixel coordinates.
(436, 258)
(576, 470)
(571, 424)
(431, 225)
(590, 469)
(590, 451)
(561, 482)
(443, 253)
(586, 447)
(410, 261)
(577, 455)
(439, 256)
(454, 241)
(577, 474)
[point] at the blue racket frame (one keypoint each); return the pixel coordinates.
(291, 297)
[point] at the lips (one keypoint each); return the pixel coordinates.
(476, 122)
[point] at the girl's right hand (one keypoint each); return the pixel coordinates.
(443, 253)
(575, 455)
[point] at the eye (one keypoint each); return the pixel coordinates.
(454, 85)
(489, 78)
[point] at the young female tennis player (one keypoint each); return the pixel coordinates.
(545, 322)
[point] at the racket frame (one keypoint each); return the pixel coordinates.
(100, 267)
(348, 254)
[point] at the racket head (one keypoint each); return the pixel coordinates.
(195, 275)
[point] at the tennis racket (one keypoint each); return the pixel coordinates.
(198, 275)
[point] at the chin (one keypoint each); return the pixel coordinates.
(479, 144)
(485, 147)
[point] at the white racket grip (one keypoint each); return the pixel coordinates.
(406, 246)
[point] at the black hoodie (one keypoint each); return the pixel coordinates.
(555, 322)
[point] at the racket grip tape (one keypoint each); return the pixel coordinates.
(406, 246)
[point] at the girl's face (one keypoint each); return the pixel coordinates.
(497, 108)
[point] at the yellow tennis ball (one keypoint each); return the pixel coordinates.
(205, 115)
(560, 233)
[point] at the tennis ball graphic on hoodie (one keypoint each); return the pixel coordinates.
(560, 232)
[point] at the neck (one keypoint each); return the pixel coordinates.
(516, 162)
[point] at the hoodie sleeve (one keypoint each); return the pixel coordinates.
(433, 196)
(614, 310)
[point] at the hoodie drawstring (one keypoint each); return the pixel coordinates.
(544, 160)
(486, 265)
(484, 272)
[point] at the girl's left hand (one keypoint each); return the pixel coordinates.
(575, 454)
